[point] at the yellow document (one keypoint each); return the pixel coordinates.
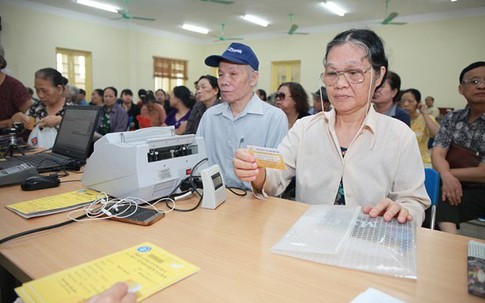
(54, 204)
(146, 268)
(267, 157)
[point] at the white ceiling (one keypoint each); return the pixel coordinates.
(308, 14)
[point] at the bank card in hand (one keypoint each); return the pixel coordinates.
(267, 157)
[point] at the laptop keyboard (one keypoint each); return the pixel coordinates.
(42, 162)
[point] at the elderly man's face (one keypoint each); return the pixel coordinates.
(236, 81)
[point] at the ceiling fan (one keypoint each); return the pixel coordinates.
(219, 1)
(390, 17)
(294, 27)
(221, 37)
(124, 13)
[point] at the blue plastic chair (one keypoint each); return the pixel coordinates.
(432, 184)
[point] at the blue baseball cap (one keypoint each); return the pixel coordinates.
(235, 53)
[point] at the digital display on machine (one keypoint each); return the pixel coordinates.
(217, 180)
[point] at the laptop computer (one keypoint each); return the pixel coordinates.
(72, 145)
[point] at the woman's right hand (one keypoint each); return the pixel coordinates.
(245, 165)
(247, 169)
(451, 189)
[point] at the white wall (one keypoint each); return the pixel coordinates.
(122, 57)
(427, 56)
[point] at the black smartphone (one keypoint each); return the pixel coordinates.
(140, 216)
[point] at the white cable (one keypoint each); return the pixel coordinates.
(104, 207)
(187, 194)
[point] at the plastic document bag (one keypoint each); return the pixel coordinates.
(344, 236)
(43, 137)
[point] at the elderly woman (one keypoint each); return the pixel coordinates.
(49, 85)
(44, 117)
(423, 124)
(350, 155)
(293, 100)
(113, 117)
(207, 94)
(97, 97)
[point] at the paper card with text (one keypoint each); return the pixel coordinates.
(267, 157)
(54, 204)
(146, 268)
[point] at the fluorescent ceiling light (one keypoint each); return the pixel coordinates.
(334, 8)
(255, 20)
(99, 5)
(196, 29)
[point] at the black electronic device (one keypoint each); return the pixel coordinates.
(17, 174)
(40, 182)
(14, 132)
(72, 145)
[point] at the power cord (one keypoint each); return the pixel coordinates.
(28, 232)
(67, 181)
(242, 192)
(191, 181)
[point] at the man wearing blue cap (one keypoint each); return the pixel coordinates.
(242, 119)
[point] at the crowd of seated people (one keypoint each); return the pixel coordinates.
(230, 106)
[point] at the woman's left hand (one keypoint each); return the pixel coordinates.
(388, 209)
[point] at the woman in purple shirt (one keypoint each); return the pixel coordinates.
(182, 101)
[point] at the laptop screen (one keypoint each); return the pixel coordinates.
(76, 131)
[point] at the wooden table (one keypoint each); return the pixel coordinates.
(232, 247)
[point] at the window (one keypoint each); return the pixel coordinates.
(75, 65)
(169, 73)
(284, 71)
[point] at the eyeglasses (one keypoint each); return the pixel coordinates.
(473, 82)
(353, 75)
(280, 96)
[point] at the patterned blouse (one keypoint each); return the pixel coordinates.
(38, 110)
(456, 127)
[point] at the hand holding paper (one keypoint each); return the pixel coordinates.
(250, 164)
(267, 157)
